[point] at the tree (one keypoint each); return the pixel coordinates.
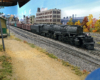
(89, 23)
(93, 23)
(70, 22)
(85, 20)
(97, 25)
(78, 23)
(85, 29)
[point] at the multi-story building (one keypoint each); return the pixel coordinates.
(52, 16)
(26, 20)
(32, 19)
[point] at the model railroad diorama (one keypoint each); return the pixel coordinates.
(71, 34)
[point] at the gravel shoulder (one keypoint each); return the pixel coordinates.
(31, 64)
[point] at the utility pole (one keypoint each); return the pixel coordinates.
(2, 36)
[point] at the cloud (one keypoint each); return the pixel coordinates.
(95, 11)
(30, 11)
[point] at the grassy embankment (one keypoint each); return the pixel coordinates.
(5, 66)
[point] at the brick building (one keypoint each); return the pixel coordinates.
(52, 16)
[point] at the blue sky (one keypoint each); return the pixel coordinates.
(10, 10)
(68, 7)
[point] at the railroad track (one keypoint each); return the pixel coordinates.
(92, 57)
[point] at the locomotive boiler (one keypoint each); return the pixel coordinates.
(69, 34)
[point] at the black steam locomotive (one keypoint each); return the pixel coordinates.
(69, 34)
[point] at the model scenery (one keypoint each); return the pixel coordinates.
(66, 31)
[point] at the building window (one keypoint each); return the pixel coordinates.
(58, 16)
(54, 12)
(50, 20)
(51, 16)
(54, 16)
(58, 12)
(58, 20)
(54, 20)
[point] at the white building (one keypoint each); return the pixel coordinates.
(52, 16)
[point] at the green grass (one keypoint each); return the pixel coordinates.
(65, 63)
(98, 42)
(6, 70)
(31, 45)
(1, 47)
(74, 68)
(17, 39)
(94, 36)
(52, 56)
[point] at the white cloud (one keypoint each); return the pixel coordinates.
(95, 11)
(30, 11)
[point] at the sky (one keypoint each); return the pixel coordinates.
(68, 7)
(10, 10)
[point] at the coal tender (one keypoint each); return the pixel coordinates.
(69, 34)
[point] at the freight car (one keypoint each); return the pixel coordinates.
(65, 33)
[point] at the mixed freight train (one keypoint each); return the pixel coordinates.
(65, 33)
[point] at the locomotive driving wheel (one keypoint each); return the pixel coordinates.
(78, 42)
(90, 46)
(60, 38)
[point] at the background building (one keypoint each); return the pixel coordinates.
(52, 16)
(25, 19)
(74, 19)
(32, 19)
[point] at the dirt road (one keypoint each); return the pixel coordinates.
(30, 64)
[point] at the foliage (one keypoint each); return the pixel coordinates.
(97, 25)
(1, 13)
(78, 23)
(89, 23)
(85, 29)
(70, 22)
(94, 22)
(85, 20)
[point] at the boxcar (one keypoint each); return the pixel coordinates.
(4, 27)
(28, 27)
(24, 26)
(19, 25)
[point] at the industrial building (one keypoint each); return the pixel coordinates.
(52, 16)
(74, 19)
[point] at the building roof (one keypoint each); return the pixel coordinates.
(2, 18)
(48, 10)
(13, 2)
